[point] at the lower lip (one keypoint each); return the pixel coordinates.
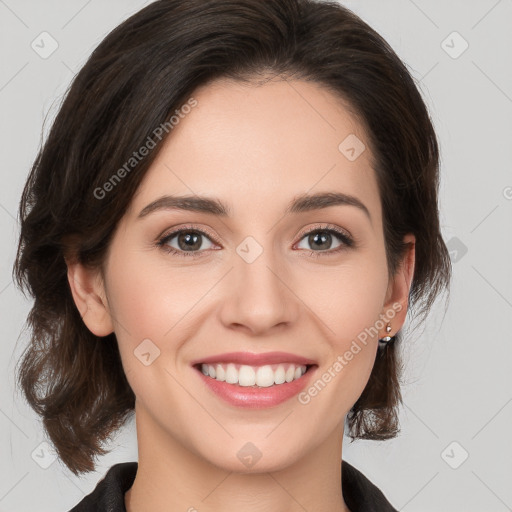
(257, 398)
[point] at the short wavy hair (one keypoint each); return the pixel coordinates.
(132, 82)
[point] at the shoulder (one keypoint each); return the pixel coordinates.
(109, 491)
(360, 494)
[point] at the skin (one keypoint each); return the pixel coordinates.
(255, 148)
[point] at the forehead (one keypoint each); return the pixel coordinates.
(263, 144)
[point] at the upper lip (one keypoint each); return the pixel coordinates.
(251, 359)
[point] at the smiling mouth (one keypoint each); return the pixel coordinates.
(254, 376)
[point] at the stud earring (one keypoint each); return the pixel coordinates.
(387, 339)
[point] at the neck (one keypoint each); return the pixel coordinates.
(172, 477)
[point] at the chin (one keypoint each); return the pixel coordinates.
(246, 457)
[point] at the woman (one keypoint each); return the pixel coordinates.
(233, 213)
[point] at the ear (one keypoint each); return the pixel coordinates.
(397, 296)
(88, 290)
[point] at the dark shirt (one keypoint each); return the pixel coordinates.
(359, 493)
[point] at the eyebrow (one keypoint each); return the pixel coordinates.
(213, 206)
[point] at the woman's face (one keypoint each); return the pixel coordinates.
(254, 280)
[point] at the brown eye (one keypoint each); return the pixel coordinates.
(321, 240)
(185, 242)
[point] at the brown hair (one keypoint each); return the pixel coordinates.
(134, 80)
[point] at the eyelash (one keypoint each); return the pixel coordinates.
(347, 241)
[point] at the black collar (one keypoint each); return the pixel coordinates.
(359, 493)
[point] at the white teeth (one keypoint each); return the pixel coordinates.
(265, 376)
(221, 374)
(259, 376)
(246, 376)
(231, 374)
(280, 375)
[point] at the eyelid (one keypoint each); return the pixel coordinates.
(176, 230)
(320, 226)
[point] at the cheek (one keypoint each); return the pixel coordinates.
(150, 299)
(349, 301)
(347, 298)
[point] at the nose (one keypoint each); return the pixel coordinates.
(259, 296)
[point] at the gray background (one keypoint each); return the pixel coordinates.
(458, 389)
